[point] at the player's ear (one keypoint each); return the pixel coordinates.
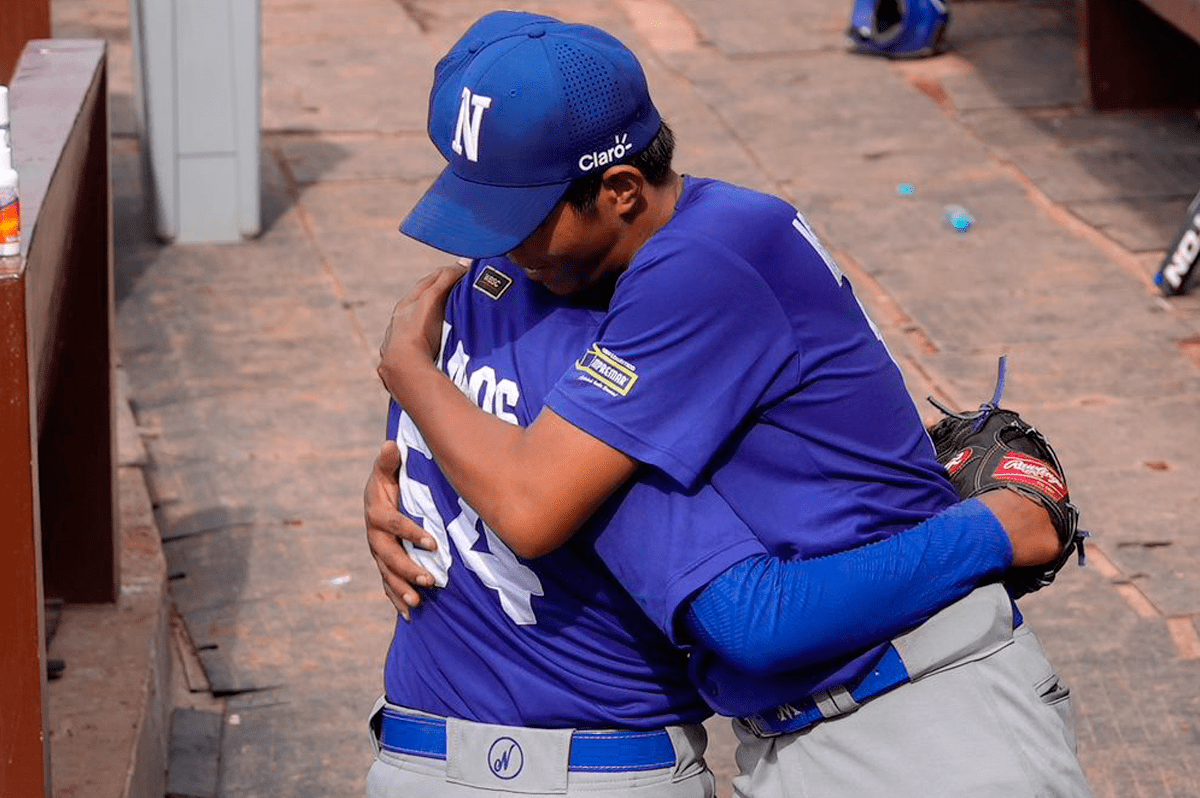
(623, 184)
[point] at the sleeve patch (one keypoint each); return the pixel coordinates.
(493, 282)
(605, 370)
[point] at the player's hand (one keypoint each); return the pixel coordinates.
(1034, 538)
(414, 334)
(386, 526)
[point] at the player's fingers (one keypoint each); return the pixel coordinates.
(429, 290)
(403, 590)
(405, 528)
(387, 463)
(420, 285)
(437, 291)
(392, 559)
(383, 517)
(402, 309)
(449, 275)
(437, 281)
(391, 596)
(383, 483)
(399, 583)
(399, 589)
(1030, 531)
(401, 608)
(381, 498)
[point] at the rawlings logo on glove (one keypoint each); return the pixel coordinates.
(994, 448)
(1030, 471)
(957, 461)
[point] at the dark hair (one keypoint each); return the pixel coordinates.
(654, 162)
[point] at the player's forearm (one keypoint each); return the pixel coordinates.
(533, 486)
(479, 453)
(765, 615)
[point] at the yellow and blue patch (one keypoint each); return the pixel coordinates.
(605, 369)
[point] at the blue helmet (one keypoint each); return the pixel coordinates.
(898, 28)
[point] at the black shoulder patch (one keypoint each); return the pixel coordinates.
(493, 282)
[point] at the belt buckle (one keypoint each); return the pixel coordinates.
(759, 729)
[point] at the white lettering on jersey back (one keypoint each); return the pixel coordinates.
(801, 225)
(466, 130)
(498, 568)
(417, 499)
(456, 366)
(497, 397)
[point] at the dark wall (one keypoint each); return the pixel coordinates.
(22, 20)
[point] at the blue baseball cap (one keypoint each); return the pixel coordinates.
(521, 106)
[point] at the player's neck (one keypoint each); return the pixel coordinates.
(652, 209)
(658, 210)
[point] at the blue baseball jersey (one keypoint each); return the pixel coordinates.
(734, 352)
(553, 642)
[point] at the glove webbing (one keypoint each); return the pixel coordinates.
(986, 409)
(984, 413)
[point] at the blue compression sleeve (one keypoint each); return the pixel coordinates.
(766, 615)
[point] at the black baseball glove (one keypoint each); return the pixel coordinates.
(993, 447)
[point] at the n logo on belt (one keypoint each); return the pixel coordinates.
(505, 758)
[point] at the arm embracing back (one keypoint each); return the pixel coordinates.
(766, 615)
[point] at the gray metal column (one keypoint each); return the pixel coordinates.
(199, 115)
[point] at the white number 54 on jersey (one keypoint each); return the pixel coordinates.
(498, 568)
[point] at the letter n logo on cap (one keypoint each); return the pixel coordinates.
(466, 132)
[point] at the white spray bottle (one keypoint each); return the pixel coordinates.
(10, 202)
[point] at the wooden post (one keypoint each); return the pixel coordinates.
(20, 21)
(58, 510)
(24, 764)
(1142, 53)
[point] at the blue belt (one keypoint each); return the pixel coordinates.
(607, 751)
(888, 674)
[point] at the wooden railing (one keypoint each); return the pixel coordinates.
(58, 509)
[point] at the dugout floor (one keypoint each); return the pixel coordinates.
(250, 367)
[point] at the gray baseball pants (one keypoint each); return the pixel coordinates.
(986, 718)
(487, 761)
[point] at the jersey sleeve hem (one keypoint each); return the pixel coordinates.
(698, 576)
(600, 428)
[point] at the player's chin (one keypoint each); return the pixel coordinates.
(554, 283)
(561, 289)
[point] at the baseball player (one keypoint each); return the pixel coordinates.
(732, 354)
(525, 652)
